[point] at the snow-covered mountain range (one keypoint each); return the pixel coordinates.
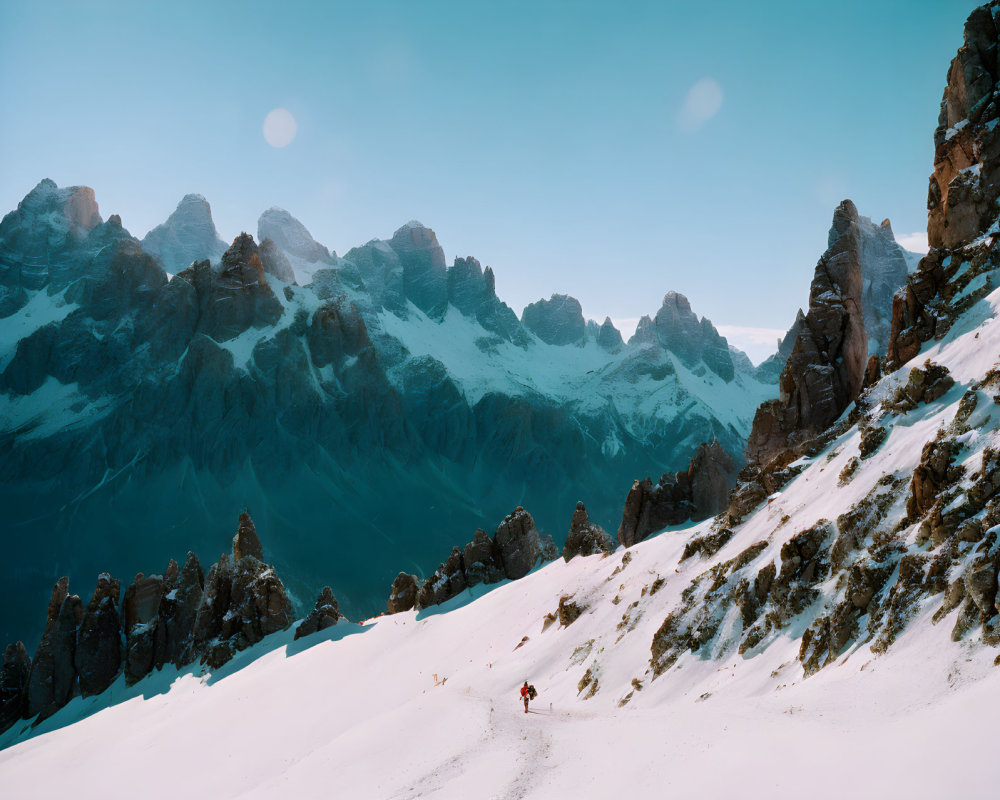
(369, 419)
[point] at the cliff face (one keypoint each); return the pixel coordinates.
(962, 211)
(175, 618)
(826, 367)
(699, 492)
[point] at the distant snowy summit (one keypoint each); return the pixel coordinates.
(188, 235)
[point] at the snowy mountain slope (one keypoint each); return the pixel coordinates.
(349, 706)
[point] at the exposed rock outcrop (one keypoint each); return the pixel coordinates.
(517, 542)
(15, 674)
(246, 542)
(609, 337)
(558, 320)
(965, 186)
(962, 196)
(403, 595)
(173, 618)
(481, 560)
(826, 368)
(585, 538)
(511, 553)
(699, 492)
(325, 614)
(98, 655)
(424, 274)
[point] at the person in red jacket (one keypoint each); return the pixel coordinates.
(527, 693)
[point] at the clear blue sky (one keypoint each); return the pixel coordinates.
(550, 139)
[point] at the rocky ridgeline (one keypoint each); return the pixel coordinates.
(179, 617)
(911, 539)
(962, 198)
(700, 492)
(511, 553)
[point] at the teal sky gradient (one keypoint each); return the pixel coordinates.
(544, 138)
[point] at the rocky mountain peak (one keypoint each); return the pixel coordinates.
(416, 237)
(609, 337)
(844, 216)
(188, 235)
(679, 330)
(558, 320)
(240, 252)
(826, 367)
(246, 542)
(961, 200)
(70, 210)
(290, 236)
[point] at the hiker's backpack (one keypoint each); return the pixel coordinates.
(532, 693)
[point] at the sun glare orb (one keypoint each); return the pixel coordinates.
(280, 127)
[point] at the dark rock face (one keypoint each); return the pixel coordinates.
(964, 188)
(180, 610)
(826, 367)
(517, 542)
(649, 508)
(145, 637)
(481, 560)
(963, 191)
(510, 554)
(446, 582)
(930, 477)
(275, 262)
(558, 320)
(174, 618)
(98, 642)
(697, 493)
(609, 337)
(14, 676)
(712, 473)
(325, 614)
(472, 290)
(585, 537)
(404, 593)
(425, 276)
(42, 686)
(246, 542)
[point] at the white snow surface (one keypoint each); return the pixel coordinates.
(41, 309)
